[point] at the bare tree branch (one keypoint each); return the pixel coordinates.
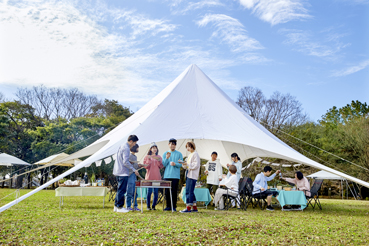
(52, 103)
(277, 111)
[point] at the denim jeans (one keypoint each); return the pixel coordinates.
(131, 190)
(190, 191)
(156, 194)
(122, 188)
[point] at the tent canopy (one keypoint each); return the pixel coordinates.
(325, 175)
(192, 107)
(56, 159)
(9, 160)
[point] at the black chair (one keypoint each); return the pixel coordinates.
(239, 199)
(257, 199)
(160, 195)
(314, 194)
(113, 183)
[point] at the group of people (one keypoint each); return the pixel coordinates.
(126, 169)
(260, 184)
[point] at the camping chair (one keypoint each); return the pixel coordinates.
(160, 195)
(256, 199)
(314, 194)
(113, 187)
(239, 198)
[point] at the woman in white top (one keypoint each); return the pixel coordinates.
(236, 162)
(192, 165)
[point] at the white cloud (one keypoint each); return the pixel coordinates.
(56, 44)
(277, 11)
(231, 32)
(353, 69)
(60, 44)
(190, 6)
(140, 24)
(327, 46)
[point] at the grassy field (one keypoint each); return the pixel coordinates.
(82, 221)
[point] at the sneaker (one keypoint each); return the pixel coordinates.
(122, 210)
(185, 211)
(130, 209)
(115, 209)
(194, 210)
(174, 210)
(153, 208)
(218, 209)
(148, 208)
(168, 209)
(269, 208)
(137, 209)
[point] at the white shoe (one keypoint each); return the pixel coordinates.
(115, 209)
(122, 210)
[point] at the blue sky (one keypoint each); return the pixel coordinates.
(318, 51)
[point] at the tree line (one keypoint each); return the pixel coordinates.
(44, 121)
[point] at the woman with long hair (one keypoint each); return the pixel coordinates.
(192, 165)
(154, 163)
(237, 162)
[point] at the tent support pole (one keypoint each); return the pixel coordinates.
(352, 192)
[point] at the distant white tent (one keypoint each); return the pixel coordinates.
(9, 160)
(330, 176)
(59, 159)
(325, 175)
(192, 107)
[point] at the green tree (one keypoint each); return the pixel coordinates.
(16, 120)
(112, 110)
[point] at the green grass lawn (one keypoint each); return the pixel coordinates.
(83, 221)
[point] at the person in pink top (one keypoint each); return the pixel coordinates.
(153, 163)
(301, 182)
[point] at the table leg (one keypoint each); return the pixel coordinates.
(60, 202)
(163, 197)
(171, 200)
(141, 201)
(104, 202)
(134, 199)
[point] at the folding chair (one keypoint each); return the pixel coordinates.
(256, 199)
(314, 194)
(113, 187)
(160, 195)
(239, 198)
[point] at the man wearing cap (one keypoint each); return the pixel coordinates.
(172, 172)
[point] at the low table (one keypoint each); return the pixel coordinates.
(201, 194)
(292, 198)
(165, 184)
(81, 191)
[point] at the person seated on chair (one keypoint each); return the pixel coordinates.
(154, 164)
(231, 184)
(301, 182)
(214, 172)
(261, 185)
